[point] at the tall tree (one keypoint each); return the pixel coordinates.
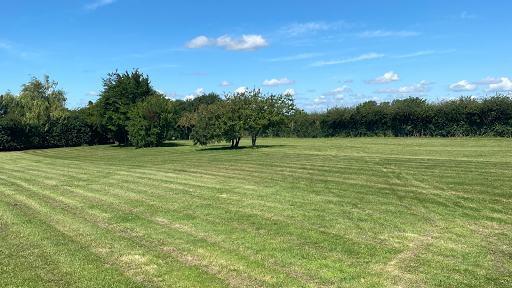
(120, 91)
(41, 101)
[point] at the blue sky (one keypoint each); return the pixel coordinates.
(327, 52)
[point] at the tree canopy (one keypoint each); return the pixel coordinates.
(246, 113)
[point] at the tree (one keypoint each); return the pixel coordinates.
(186, 108)
(41, 101)
(207, 129)
(264, 112)
(150, 120)
(249, 112)
(120, 92)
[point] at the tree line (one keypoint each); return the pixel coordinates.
(129, 111)
(410, 117)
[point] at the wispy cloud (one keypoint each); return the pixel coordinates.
(423, 86)
(296, 29)
(16, 50)
(92, 93)
(383, 33)
(202, 73)
(489, 80)
(362, 57)
(296, 57)
(97, 4)
(338, 90)
(170, 95)
(426, 52)
(465, 15)
(415, 54)
(225, 83)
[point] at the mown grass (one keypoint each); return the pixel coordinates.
(363, 212)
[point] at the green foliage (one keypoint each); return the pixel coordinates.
(73, 131)
(249, 112)
(150, 120)
(120, 92)
(37, 118)
(207, 129)
(410, 117)
(41, 101)
(182, 110)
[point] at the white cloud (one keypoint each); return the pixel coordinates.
(296, 57)
(362, 57)
(99, 3)
(339, 90)
(489, 80)
(197, 92)
(199, 42)
(423, 86)
(358, 96)
(225, 83)
(276, 82)
(241, 89)
(323, 101)
(349, 81)
(383, 33)
(92, 93)
(247, 42)
(202, 73)
(170, 95)
(462, 86)
(290, 91)
(296, 29)
(505, 85)
(311, 90)
(388, 77)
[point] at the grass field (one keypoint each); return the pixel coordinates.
(360, 212)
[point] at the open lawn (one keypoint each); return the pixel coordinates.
(359, 212)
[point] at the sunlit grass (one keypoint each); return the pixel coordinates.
(360, 212)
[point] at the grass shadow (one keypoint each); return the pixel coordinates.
(165, 144)
(172, 144)
(238, 148)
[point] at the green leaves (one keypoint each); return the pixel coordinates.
(150, 120)
(120, 92)
(240, 114)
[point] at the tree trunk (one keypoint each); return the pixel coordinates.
(253, 136)
(237, 141)
(232, 143)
